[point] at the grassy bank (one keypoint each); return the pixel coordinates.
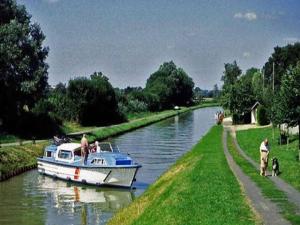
(269, 190)
(250, 140)
(16, 159)
(105, 132)
(198, 189)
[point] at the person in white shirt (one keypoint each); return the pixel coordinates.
(98, 150)
(264, 153)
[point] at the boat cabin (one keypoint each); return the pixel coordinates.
(71, 153)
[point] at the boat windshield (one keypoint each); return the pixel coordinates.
(107, 147)
(64, 154)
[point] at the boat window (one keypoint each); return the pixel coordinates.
(48, 154)
(63, 154)
(105, 147)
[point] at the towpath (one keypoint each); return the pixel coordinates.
(292, 194)
(267, 210)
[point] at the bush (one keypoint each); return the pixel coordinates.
(237, 119)
(262, 117)
(37, 125)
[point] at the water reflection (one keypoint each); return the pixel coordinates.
(92, 204)
(68, 194)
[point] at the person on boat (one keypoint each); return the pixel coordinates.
(98, 150)
(264, 153)
(84, 148)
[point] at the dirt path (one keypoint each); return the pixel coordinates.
(267, 210)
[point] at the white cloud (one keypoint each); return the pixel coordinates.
(246, 54)
(291, 40)
(246, 16)
(238, 15)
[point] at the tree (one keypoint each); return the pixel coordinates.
(198, 95)
(257, 85)
(23, 71)
(287, 105)
(171, 85)
(216, 91)
(231, 74)
(283, 58)
(237, 94)
(93, 100)
(230, 77)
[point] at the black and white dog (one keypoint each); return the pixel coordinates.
(275, 167)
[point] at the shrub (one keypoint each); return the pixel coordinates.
(262, 117)
(39, 125)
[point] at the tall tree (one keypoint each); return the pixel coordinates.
(287, 104)
(23, 71)
(171, 85)
(283, 58)
(93, 100)
(230, 77)
(216, 91)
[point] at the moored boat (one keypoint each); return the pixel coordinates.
(109, 167)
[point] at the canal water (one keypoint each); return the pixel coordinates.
(31, 198)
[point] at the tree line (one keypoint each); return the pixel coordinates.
(31, 107)
(276, 86)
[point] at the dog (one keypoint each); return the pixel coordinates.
(275, 167)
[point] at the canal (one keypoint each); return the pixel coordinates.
(31, 198)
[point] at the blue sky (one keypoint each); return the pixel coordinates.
(127, 40)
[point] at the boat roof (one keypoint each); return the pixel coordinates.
(69, 146)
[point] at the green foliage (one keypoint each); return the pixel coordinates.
(93, 100)
(38, 125)
(132, 100)
(288, 98)
(237, 94)
(169, 86)
(262, 117)
(287, 103)
(257, 86)
(230, 77)
(23, 71)
(62, 106)
(283, 58)
(197, 95)
(191, 191)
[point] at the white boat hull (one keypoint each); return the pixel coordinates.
(108, 176)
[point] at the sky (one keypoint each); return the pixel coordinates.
(127, 40)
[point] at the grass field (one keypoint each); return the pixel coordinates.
(250, 140)
(269, 190)
(198, 189)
